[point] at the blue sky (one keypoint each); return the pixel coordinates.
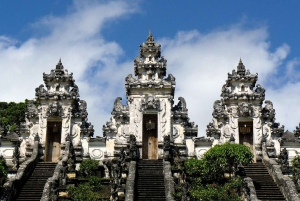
(202, 41)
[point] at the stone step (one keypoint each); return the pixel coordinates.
(150, 181)
(265, 187)
(34, 186)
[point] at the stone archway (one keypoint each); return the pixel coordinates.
(150, 142)
(53, 140)
(246, 134)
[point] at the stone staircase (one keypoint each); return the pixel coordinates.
(265, 187)
(34, 186)
(150, 183)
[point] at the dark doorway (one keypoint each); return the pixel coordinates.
(246, 134)
(53, 138)
(149, 149)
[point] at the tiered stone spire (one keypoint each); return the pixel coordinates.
(150, 68)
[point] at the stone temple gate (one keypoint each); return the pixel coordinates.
(151, 128)
(241, 115)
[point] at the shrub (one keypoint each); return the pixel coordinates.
(88, 191)
(3, 168)
(206, 176)
(87, 167)
(218, 192)
(218, 160)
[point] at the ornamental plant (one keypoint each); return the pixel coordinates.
(87, 167)
(3, 168)
(12, 114)
(206, 176)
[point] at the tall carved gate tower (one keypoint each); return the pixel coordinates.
(240, 115)
(57, 113)
(149, 114)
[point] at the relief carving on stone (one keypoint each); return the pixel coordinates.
(175, 132)
(245, 109)
(227, 130)
(150, 102)
(76, 129)
(219, 109)
(163, 117)
(137, 118)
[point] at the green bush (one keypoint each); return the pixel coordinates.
(218, 192)
(3, 168)
(12, 114)
(219, 160)
(88, 191)
(206, 176)
(87, 167)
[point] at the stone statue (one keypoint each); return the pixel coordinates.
(283, 160)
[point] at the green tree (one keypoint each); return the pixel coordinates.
(3, 168)
(206, 176)
(12, 114)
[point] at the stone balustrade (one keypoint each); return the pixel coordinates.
(285, 183)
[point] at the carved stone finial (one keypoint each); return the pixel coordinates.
(241, 68)
(59, 65)
(150, 38)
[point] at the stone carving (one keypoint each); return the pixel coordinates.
(163, 117)
(133, 149)
(129, 79)
(171, 78)
(226, 92)
(245, 109)
(297, 131)
(226, 130)
(270, 148)
(120, 111)
(283, 160)
(277, 130)
(212, 131)
(219, 109)
(74, 91)
(175, 132)
(167, 148)
(150, 102)
(268, 112)
(259, 90)
(54, 109)
(32, 110)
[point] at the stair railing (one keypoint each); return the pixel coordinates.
(285, 184)
(250, 194)
(59, 175)
(12, 187)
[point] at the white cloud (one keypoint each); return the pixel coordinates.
(200, 63)
(76, 38)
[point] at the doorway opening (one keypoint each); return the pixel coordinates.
(246, 134)
(53, 139)
(150, 143)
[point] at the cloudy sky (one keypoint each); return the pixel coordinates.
(202, 41)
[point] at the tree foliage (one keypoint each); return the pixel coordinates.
(3, 168)
(12, 114)
(87, 167)
(88, 191)
(206, 176)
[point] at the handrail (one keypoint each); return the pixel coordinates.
(130, 183)
(49, 192)
(285, 183)
(252, 191)
(12, 186)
